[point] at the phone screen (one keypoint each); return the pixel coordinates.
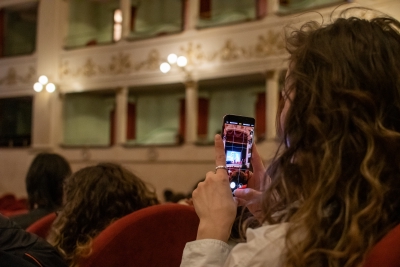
(238, 138)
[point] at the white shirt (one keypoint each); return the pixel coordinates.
(265, 247)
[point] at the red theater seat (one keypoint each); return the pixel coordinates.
(10, 205)
(386, 253)
(42, 226)
(6, 201)
(151, 237)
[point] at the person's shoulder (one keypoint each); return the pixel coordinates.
(27, 246)
(270, 231)
(27, 219)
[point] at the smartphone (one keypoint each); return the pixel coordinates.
(238, 138)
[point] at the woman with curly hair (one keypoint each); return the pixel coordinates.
(96, 196)
(332, 190)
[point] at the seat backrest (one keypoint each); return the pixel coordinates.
(153, 236)
(42, 226)
(386, 252)
(7, 200)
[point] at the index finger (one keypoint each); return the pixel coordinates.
(220, 159)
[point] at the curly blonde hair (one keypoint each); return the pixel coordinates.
(336, 176)
(95, 197)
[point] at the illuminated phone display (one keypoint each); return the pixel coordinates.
(238, 138)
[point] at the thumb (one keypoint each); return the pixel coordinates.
(246, 193)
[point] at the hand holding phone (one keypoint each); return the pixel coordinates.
(213, 201)
(238, 138)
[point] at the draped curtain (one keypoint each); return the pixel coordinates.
(216, 12)
(287, 6)
(90, 22)
(19, 30)
(155, 17)
(157, 118)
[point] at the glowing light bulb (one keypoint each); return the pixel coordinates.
(38, 87)
(181, 61)
(172, 58)
(50, 87)
(43, 79)
(165, 67)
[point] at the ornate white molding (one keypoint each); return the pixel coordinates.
(13, 77)
(123, 63)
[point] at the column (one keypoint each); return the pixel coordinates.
(191, 103)
(41, 116)
(121, 115)
(126, 17)
(56, 118)
(47, 115)
(272, 101)
(272, 6)
(191, 14)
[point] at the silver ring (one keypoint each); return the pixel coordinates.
(220, 167)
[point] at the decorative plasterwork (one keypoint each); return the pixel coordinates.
(119, 64)
(122, 63)
(151, 63)
(229, 52)
(194, 54)
(269, 44)
(13, 78)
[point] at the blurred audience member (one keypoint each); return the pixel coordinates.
(171, 196)
(44, 185)
(96, 196)
(23, 249)
(168, 195)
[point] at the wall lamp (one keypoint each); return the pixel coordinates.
(173, 59)
(43, 82)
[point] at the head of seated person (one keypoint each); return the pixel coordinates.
(95, 197)
(44, 185)
(44, 181)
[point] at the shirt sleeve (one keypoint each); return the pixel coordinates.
(205, 252)
(265, 247)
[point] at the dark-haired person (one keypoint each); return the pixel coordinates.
(44, 185)
(335, 181)
(96, 196)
